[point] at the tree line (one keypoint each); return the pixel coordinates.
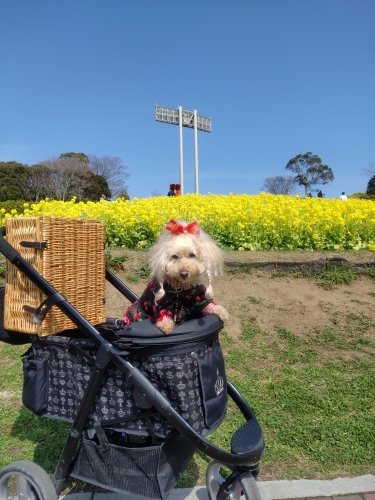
(86, 177)
(308, 171)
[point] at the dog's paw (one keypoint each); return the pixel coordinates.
(166, 325)
(220, 311)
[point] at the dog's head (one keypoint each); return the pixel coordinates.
(183, 255)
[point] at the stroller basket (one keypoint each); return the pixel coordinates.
(57, 371)
(149, 472)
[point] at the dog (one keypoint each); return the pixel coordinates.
(182, 257)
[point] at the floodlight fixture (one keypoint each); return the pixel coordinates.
(189, 119)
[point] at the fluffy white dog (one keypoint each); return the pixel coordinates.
(180, 260)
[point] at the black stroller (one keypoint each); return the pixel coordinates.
(140, 403)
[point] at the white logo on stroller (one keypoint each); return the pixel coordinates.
(219, 384)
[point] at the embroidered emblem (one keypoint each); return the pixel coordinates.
(219, 384)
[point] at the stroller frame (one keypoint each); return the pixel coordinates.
(247, 445)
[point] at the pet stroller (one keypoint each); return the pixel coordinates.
(139, 403)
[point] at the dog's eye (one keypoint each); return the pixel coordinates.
(192, 255)
(174, 257)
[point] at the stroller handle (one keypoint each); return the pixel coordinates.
(140, 381)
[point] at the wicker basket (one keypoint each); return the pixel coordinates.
(73, 263)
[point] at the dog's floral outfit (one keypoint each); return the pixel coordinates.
(175, 304)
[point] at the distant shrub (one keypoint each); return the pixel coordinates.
(13, 205)
(371, 187)
(361, 196)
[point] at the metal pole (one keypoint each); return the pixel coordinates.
(196, 152)
(181, 151)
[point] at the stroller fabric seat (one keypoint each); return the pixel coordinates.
(187, 367)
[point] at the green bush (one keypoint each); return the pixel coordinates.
(13, 205)
(361, 196)
(371, 187)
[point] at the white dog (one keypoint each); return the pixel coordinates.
(180, 260)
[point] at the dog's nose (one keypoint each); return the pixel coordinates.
(184, 273)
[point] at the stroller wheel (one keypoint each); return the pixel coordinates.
(24, 480)
(244, 486)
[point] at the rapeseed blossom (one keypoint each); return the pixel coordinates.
(237, 222)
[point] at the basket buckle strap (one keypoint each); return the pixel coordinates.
(39, 245)
(103, 440)
(41, 311)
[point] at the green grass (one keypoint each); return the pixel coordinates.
(330, 278)
(240, 269)
(143, 273)
(114, 263)
(253, 300)
(2, 270)
(313, 394)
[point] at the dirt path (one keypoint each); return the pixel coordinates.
(271, 290)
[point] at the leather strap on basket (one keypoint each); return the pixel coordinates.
(39, 245)
(41, 311)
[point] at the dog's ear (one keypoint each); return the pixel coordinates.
(213, 257)
(209, 290)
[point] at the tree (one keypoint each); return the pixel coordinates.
(70, 176)
(73, 174)
(13, 177)
(63, 174)
(279, 184)
(87, 185)
(371, 186)
(309, 171)
(103, 186)
(124, 195)
(81, 157)
(94, 188)
(369, 171)
(114, 172)
(38, 183)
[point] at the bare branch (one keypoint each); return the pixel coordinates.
(112, 169)
(370, 172)
(68, 177)
(279, 184)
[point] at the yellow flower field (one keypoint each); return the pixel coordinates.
(237, 222)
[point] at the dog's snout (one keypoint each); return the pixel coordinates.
(184, 273)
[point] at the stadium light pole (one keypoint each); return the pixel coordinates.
(190, 119)
(182, 189)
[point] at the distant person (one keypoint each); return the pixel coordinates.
(309, 195)
(320, 194)
(171, 191)
(343, 196)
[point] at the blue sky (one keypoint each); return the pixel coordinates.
(277, 77)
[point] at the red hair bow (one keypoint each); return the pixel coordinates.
(176, 227)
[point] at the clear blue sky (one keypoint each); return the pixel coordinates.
(277, 77)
